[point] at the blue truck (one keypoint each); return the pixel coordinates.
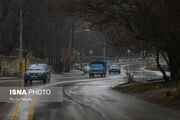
(98, 68)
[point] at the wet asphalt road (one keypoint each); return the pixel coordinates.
(96, 100)
(87, 99)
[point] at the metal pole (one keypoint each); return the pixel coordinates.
(104, 48)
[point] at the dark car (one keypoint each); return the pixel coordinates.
(114, 68)
(98, 68)
(37, 72)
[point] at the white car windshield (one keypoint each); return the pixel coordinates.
(114, 66)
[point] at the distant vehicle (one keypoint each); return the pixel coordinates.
(115, 68)
(37, 72)
(98, 68)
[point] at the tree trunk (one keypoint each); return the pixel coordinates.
(174, 65)
(165, 77)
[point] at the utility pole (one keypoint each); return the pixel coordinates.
(21, 39)
(70, 49)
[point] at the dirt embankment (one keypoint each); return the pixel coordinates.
(164, 94)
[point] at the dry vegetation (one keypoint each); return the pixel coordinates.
(150, 67)
(166, 94)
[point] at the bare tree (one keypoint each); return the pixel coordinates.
(152, 24)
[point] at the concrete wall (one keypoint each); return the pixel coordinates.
(9, 65)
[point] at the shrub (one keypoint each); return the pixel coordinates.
(170, 94)
(130, 77)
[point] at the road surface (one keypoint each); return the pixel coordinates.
(87, 99)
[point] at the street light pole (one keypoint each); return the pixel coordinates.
(104, 48)
(129, 51)
(90, 53)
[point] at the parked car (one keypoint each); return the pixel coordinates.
(98, 68)
(114, 68)
(37, 72)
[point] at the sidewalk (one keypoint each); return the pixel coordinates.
(10, 78)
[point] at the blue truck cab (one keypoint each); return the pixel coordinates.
(98, 68)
